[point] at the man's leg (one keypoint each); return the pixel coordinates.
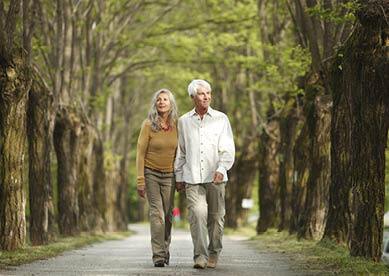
(216, 212)
(156, 214)
(197, 215)
(167, 192)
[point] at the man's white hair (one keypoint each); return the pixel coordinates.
(195, 84)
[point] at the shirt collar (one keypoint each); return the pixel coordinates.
(210, 112)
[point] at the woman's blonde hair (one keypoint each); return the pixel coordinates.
(153, 112)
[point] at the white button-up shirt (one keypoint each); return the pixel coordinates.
(204, 147)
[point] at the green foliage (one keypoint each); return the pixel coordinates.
(340, 13)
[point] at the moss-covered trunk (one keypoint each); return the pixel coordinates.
(14, 86)
(40, 131)
(67, 146)
(313, 219)
(268, 192)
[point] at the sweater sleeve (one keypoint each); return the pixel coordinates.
(143, 142)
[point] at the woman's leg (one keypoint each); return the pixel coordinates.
(156, 214)
(167, 192)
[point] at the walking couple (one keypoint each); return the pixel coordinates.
(191, 155)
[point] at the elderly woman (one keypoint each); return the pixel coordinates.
(157, 144)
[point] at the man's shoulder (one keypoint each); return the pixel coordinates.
(218, 114)
(185, 116)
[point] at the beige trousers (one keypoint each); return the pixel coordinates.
(206, 206)
(160, 195)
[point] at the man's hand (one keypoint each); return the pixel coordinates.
(218, 178)
(180, 186)
(141, 191)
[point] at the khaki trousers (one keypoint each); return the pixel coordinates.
(206, 206)
(160, 195)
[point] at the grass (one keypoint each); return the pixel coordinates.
(32, 253)
(248, 231)
(325, 256)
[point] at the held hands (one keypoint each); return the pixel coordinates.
(218, 178)
(141, 191)
(180, 186)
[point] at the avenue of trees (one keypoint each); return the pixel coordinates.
(304, 83)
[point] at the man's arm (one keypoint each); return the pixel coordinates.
(226, 150)
(180, 158)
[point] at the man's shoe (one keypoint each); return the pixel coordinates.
(159, 263)
(200, 265)
(212, 261)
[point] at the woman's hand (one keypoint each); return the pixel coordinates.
(217, 178)
(141, 191)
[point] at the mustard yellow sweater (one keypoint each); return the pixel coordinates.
(155, 150)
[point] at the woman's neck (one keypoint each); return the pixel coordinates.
(164, 117)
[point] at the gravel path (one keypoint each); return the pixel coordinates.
(132, 256)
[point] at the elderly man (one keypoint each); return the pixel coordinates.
(205, 152)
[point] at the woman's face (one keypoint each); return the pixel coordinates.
(163, 103)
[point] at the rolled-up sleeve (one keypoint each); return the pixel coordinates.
(181, 154)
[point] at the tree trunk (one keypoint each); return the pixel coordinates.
(40, 131)
(288, 124)
(239, 186)
(338, 224)
(14, 86)
(90, 215)
(115, 198)
(67, 146)
(99, 185)
(366, 53)
(301, 161)
(316, 204)
(269, 177)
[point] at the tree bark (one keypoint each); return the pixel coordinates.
(316, 204)
(268, 192)
(367, 54)
(91, 215)
(288, 134)
(99, 185)
(67, 146)
(40, 131)
(338, 224)
(15, 83)
(301, 161)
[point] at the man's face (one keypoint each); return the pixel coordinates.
(202, 99)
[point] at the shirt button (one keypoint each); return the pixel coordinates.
(201, 160)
